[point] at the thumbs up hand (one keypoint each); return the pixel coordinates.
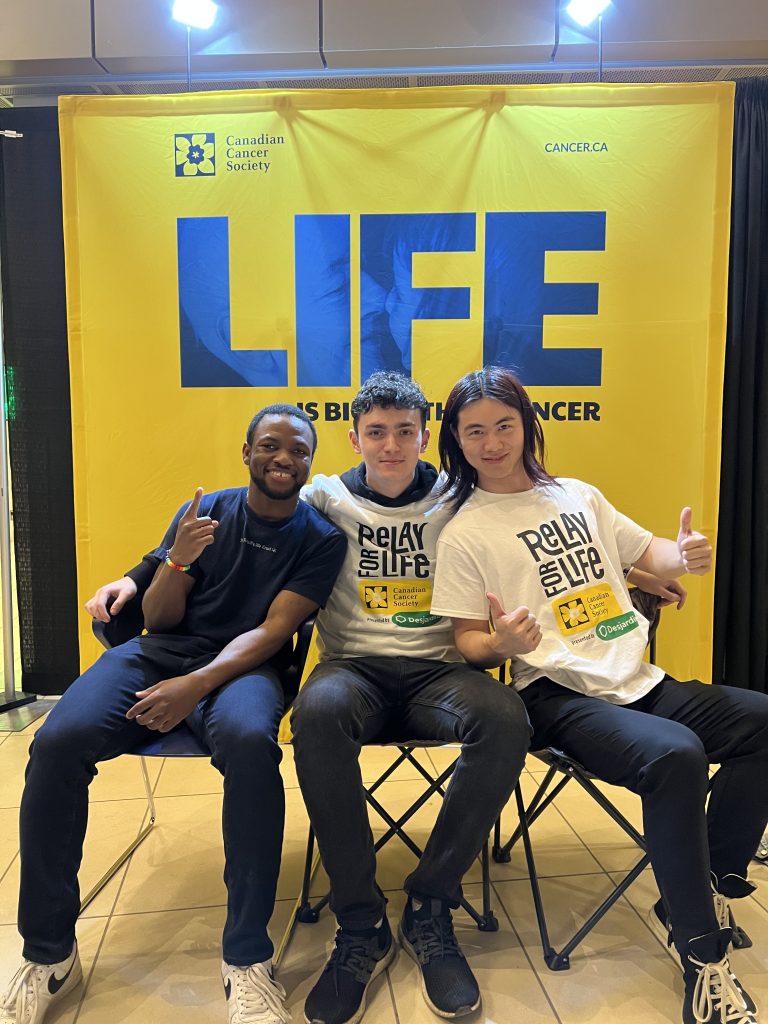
(517, 632)
(193, 534)
(695, 550)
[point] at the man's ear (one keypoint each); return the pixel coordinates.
(353, 440)
(424, 439)
(246, 453)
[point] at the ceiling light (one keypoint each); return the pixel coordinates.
(195, 13)
(583, 11)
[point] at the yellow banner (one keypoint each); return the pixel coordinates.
(229, 250)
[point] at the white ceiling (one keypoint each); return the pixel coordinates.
(49, 47)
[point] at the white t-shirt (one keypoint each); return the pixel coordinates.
(560, 551)
(380, 604)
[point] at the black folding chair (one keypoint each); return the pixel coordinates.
(181, 741)
(561, 769)
(308, 912)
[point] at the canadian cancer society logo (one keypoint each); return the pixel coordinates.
(195, 155)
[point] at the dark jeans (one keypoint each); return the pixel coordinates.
(349, 702)
(239, 724)
(660, 747)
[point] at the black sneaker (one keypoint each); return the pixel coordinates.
(447, 983)
(338, 996)
(713, 994)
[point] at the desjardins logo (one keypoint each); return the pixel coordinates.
(195, 154)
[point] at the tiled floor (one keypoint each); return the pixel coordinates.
(150, 941)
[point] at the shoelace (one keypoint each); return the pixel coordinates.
(259, 997)
(722, 910)
(716, 997)
(435, 938)
(352, 954)
(21, 994)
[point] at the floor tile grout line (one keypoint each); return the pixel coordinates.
(87, 983)
(170, 910)
(753, 898)
(540, 874)
(525, 952)
(14, 858)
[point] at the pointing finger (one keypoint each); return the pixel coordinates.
(194, 505)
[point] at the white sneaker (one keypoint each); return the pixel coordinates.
(253, 995)
(35, 986)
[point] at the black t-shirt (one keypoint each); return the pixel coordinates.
(250, 562)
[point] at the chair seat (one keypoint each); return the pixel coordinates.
(555, 758)
(179, 742)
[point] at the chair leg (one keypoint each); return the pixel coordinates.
(487, 920)
(111, 871)
(301, 906)
(306, 912)
(550, 956)
(560, 961)
(539, 803)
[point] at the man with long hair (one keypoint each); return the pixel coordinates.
(543, 559)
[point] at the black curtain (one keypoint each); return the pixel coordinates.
(37, 381)
(740, 655)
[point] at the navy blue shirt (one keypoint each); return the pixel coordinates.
(250, 561)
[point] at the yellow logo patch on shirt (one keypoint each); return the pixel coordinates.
(585, 609)
(388, 597)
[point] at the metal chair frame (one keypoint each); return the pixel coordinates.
(308, 912)
(559, 763)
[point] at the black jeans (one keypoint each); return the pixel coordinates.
(239, 724)
(660, 747)
(353, 701)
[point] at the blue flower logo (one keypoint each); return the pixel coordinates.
(195, 155)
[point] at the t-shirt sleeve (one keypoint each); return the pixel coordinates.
(317, 569)
(315, 494)
(459, 590)
(143, 573)
(631, 539)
